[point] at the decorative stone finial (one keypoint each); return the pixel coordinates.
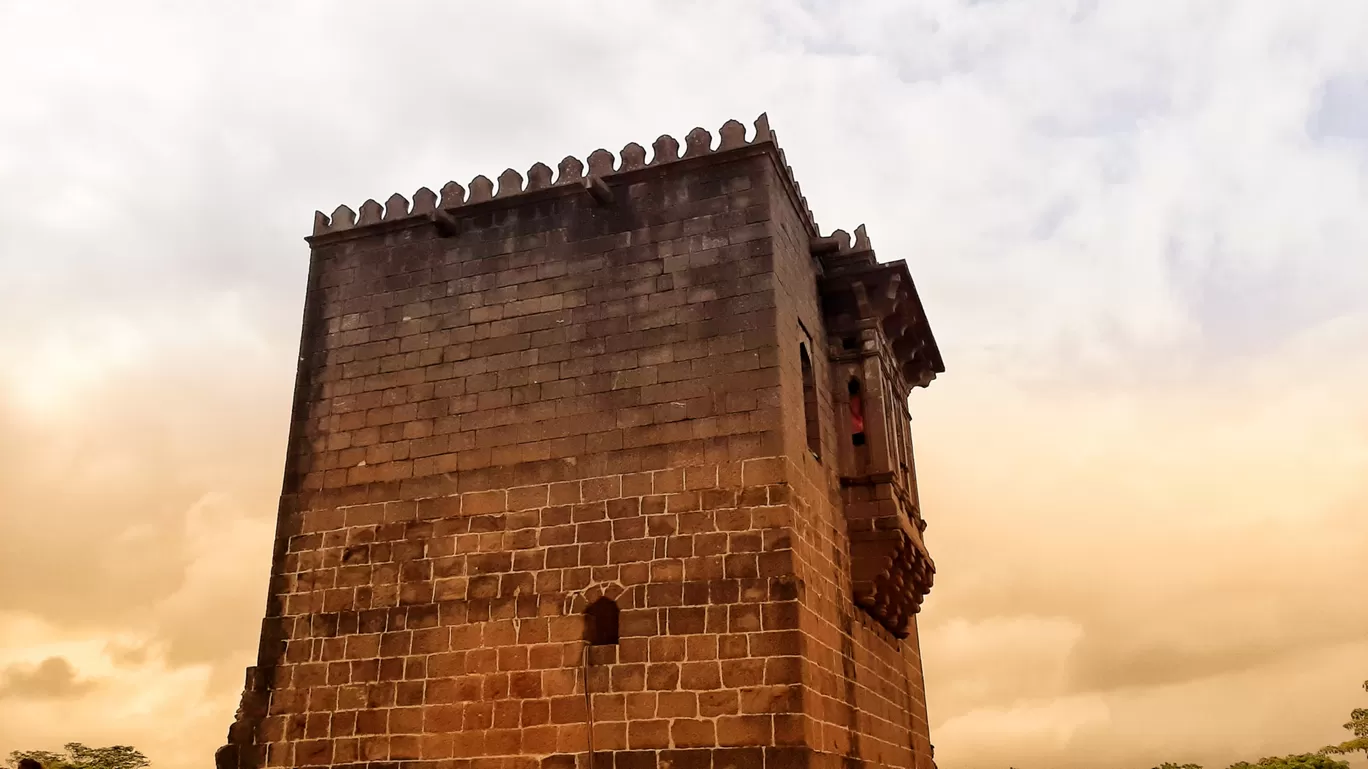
(842, 239)
(538, 177)
(633, 156)
(600, 162)
(343, 218)
(424, 201)
(697, 142)
(510, 183)
(762, 130)
(666, 150)
(453, 195)
(481, 189)
(862, 239)
(371, 212)
(733, 135)
(397, 207)
(570, 170)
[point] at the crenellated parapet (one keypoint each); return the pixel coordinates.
(837, 250)
(591, 174)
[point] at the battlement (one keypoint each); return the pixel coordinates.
(836, 254)
(570, 173)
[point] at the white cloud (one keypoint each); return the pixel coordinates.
(1002, 735)
(1137, 225)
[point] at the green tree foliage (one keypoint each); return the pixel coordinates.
(78, 756)
(1303, 761)
(44, 758)
(1357, 726)
(1167, 765)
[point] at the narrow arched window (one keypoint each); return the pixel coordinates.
(601, 622)
(857, 420)
(814, 431)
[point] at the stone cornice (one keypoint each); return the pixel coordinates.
(882, 293)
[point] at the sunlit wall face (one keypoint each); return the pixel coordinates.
(1138, 229)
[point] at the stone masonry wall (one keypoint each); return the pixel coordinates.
(864, 694)
(561, 401)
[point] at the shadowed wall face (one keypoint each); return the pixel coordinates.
(510, 411)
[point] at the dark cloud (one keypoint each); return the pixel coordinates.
(1341, 110)
(53, 678)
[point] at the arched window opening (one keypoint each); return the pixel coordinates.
(601, 623)
(857, 420)
(814, 431)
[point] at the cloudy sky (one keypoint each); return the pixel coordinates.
(1139, 227)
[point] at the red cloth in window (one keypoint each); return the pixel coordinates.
(856, 414)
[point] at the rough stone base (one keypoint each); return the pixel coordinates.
(690, 758)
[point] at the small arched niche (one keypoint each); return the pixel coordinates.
(601, 622)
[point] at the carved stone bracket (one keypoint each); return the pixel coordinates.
(891, 577)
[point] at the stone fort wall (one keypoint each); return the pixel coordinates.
(512, 405)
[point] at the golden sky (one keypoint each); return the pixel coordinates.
(1138, 228)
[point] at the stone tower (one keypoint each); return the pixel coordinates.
(605, 467)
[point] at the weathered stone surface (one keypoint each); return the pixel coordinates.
(556, 401)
